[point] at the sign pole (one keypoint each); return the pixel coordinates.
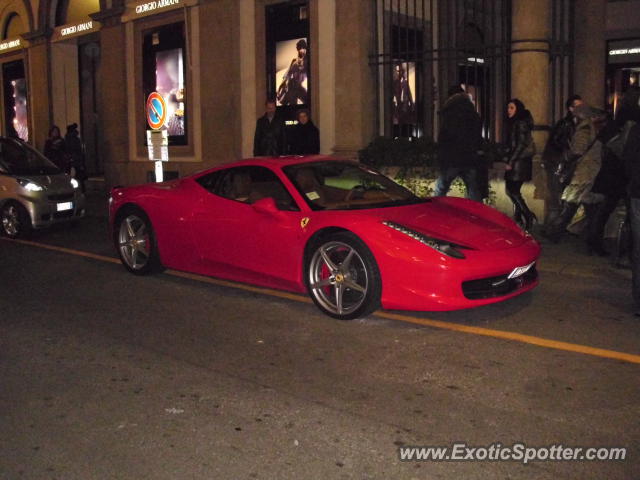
(157, 138)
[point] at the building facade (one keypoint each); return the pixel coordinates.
(370, 67)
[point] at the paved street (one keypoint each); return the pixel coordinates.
(105, 375)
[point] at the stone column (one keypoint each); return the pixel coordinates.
(355, 97)
(112, 97)
(531, 32)
(39, 86)
(531, 23)
(590, 50)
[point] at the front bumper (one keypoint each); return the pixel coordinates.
(44, 212)
(451, 284)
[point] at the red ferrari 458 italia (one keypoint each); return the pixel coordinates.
(350, 237)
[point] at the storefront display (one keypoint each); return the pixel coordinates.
(164, 72)
(292, 86)
(623, 69)
(288, 57)
(15, 100)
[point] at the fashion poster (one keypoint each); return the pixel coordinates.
(404, 90)
(19, 121)
(170, 84)
(292, 82)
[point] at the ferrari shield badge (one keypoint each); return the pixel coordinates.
(304, 222)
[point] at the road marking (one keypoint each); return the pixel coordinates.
(241, 286)
(516, 337)
(487, 332)
(69, 251)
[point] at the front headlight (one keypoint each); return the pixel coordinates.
(442, 246)
(74, 183)
(30, 186)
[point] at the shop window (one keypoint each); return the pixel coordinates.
(288, 73)
(15, 100)
(406, 77)
(164, 71)
(623, 69)
(13, 27)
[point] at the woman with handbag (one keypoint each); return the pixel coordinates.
(521, 149)
(586, 150)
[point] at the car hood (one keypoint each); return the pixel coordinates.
(482, 229)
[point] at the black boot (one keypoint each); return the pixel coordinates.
(529, 216)
(518, 217)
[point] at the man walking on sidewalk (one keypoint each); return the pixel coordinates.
(459, 141)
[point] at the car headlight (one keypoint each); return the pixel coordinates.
(74, 183)
(30, 186)
(442, 246)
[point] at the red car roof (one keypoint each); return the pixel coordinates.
(283, 161)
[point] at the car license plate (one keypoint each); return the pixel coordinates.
(62, 207)
(519, 271)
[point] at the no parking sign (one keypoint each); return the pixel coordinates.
(156, 111)
(157, 141)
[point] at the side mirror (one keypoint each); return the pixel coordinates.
(266, 205)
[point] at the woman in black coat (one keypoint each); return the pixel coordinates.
(305, 137)
(55, 149)
(521, 149)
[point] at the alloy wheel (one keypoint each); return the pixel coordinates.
(134, 242)
(11, 221)
(338, 278)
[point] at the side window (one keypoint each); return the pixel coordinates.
(210, 181)
(248, 185)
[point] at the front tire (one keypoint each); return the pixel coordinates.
(342, 277)
(136, 243)
(15, 221)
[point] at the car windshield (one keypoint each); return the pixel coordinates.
(333, 185)
(18, 158)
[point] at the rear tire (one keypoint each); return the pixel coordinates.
(15, 221)
(342, 277)
(135, 242)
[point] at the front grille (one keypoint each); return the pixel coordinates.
(497, 286)
(66, 214)
(63, 197)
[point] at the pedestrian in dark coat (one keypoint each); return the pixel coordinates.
(459, 141)
(555, 152)
(629, 112)
(611, 183)
(305, 136)
(520, 152)
(55, 149)
(75, 151)
(269, 138)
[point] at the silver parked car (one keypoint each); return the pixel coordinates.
(34, 192)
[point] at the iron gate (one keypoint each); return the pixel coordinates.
(425, 46)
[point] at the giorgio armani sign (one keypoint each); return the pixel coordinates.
(149, 7)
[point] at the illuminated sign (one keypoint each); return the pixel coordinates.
(10, 45)
(74, 29)
(149, 7)
(625, 51)
(79, 28)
